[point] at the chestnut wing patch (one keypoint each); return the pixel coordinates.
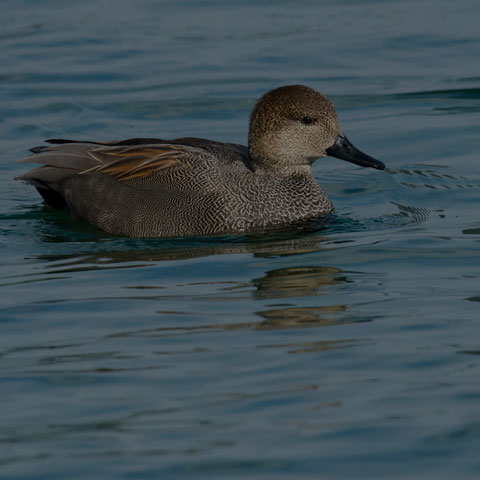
(139, 161)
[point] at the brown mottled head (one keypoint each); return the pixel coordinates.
(292, 126)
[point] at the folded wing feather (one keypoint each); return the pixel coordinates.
(122, 162)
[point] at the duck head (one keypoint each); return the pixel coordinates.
(292, 126)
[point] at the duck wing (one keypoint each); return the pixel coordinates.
(71, 161)
(229, 152)
(120, 162)
(139, 161)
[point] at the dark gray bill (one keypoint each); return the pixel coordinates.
(342, 148)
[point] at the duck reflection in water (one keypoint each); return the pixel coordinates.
(277, 284)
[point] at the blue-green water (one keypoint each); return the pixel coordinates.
(353, 352)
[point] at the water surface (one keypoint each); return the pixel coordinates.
(348, 352)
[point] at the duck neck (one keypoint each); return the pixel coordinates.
(279, 166)
(282, 171)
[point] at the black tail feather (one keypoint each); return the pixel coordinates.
(59, 141)
(117, 143)
(52, 198)
(39, 149)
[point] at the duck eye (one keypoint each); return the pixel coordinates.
(307, 120)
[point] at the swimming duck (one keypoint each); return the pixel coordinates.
(149, 187)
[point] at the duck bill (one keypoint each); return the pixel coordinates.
(343, 148)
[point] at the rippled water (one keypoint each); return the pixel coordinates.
(352, 351)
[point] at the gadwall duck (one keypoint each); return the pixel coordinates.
(148, 187)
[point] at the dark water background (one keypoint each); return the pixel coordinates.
(353, 352)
